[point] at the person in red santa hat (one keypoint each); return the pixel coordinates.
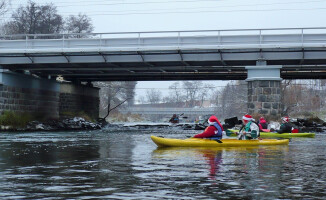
(214, 130)
(287, 126)
(250, 130)
(262, 123)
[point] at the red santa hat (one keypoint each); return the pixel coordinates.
(248, 118)
(286, 119)
(212, 119)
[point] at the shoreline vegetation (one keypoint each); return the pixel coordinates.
(28, 122)
(19, 121)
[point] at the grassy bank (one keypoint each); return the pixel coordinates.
(15, 119)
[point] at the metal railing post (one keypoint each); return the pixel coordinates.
(260, 37)
(138, 39)
(101, 40)
(178, 39)
(63, 40)
(302, 37)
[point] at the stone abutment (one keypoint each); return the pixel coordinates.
(45, 98)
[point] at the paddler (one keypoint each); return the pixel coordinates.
(174, 119)
(250, 130)
(287, 126)
(214, 130)
(262, 123)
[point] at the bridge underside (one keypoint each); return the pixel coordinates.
(220, 64)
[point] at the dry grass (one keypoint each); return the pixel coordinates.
(15, 119)
(119, 117)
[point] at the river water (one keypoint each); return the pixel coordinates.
(126, 164)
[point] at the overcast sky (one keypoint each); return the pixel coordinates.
(166, 15)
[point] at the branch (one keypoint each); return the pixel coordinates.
(115, 107)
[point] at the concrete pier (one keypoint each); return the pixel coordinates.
(45, 98)
(264, 90)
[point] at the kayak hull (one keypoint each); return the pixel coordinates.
(198, 142)
(286, 135)
(281, 135)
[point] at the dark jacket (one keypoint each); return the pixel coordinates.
(285, 128)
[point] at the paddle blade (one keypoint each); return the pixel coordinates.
(228, 132)
(218, 141)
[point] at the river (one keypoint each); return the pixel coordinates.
(126, 164)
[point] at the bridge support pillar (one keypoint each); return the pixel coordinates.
(45, 98)
(264, 90)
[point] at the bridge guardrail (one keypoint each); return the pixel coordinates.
(222, 38)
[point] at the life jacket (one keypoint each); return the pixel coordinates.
(218, 132)
(263, 125)
(247, 127)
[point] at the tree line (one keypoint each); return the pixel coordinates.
(300, 97)
(230, 100)
(43, 19)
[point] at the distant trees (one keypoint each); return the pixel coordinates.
(175, 93)
(4, 6)
(44, 19)
(79, 24)
(35, 19)
(303, 96)
(233, 99)
(153, 96)
(192, 90)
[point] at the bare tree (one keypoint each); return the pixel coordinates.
(153, 96)
(35, 19)
(302, 96)
(175, 93)
(111, 94)
(192, 89)
(204, 93)
(142, 100)
(79, 24)
(4, 6)
(233, 100)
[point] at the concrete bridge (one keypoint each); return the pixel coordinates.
(263, 57)
(167, 55)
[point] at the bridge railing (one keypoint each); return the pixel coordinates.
(222, 38)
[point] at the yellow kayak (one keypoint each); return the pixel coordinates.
(199, 142)
(231, 132)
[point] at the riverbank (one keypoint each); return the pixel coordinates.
(66, 124)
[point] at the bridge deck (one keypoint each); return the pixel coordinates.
(185, 55)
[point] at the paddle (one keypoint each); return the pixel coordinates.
(184, 117)
(217, 140)
(228, 132)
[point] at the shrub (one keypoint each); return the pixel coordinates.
(15, 119)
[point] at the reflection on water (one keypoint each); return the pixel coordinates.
(120, 164)
(251, 158)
